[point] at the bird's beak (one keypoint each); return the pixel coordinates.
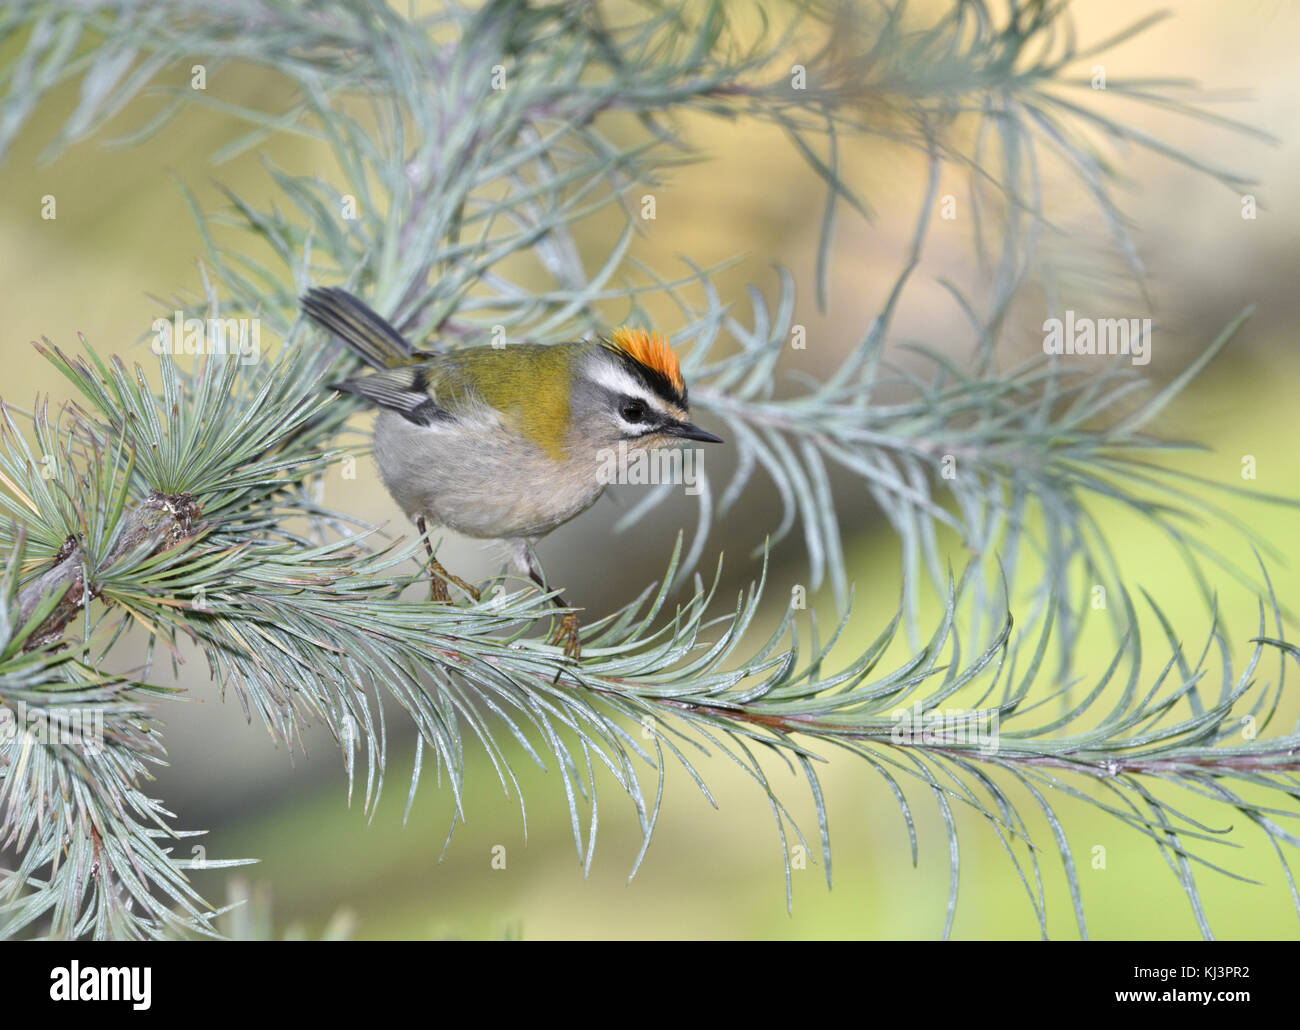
(686, 431)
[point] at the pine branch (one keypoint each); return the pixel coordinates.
(159, 522)
(161, 502)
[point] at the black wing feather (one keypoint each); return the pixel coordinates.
(403, 390)
(365, 331)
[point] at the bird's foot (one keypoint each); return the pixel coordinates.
(566, 634)
(438, 580)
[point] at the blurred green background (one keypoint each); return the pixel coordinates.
(123, 236)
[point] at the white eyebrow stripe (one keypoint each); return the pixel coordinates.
(614, 378)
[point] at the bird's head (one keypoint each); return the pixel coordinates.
(630, 389)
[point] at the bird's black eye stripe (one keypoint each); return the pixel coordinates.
(633, 410)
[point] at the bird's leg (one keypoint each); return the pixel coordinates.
(566, 633)
(438, 576)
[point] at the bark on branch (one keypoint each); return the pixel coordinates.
(163, 519)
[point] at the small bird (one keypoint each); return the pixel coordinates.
(506, 443)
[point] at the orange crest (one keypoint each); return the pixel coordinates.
(652, 350)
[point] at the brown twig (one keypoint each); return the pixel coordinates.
(164, 519)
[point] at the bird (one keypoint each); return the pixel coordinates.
(506, 442)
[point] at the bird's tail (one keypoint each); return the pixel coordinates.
(365, 332)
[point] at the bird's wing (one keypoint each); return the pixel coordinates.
(403, 383)
(367, 334)
(411, 392)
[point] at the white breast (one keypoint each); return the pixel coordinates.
(480, 481)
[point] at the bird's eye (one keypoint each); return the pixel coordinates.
(633, 411)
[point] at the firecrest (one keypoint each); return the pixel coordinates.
(506, 443)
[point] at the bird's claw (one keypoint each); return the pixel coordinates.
(438, 580)
(566, 634)
(472, 591)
